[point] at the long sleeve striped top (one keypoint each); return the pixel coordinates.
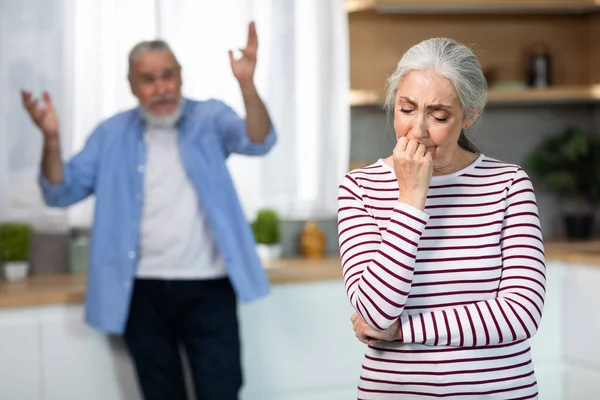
(465, 277)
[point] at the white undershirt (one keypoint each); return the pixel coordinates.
(175, 239)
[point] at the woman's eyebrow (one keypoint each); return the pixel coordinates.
(439, 107)
(407, 100)
(429, 107)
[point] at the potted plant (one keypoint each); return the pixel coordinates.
(569, 165)
(15, 242)
(267, 235)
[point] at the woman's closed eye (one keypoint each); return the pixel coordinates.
(440, 115)
(406, 110)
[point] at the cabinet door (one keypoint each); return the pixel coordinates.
(81, 363)
(582, 323)
(582, 383)
(298, 343)
(19, 355)
(547, 346)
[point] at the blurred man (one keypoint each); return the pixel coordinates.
(171, 249)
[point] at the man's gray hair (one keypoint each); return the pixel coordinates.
(149, 46)
(452, 60)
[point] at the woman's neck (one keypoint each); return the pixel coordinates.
(460, 160)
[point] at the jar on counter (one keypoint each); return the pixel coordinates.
(539, 74)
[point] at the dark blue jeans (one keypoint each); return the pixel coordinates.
(201, 315)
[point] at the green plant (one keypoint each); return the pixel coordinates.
(15, 241)
(568, 164)
(266, 227)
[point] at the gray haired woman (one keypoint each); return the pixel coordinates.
(441, 246)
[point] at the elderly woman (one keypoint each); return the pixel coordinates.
(441, 246)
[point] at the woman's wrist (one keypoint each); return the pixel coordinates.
(417, 202)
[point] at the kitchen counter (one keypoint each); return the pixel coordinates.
(574, 252)
(48, 289)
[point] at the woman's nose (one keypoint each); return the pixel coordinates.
(420, 128)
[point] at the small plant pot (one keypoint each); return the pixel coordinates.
(15, 271)
(269, 252)
(579, 227)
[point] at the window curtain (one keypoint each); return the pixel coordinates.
(78, 51)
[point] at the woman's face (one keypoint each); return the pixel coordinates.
(427, 109)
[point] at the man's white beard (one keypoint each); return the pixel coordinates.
(163, 121)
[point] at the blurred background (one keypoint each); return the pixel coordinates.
(322, 69)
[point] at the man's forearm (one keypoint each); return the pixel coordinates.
(52, 166)
(258, 123)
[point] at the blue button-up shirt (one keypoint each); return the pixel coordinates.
(111, 166)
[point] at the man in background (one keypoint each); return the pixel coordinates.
(171, 248)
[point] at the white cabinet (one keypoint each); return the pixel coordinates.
(299, 344)
(582, 322)
(547, 346)
(80, 363)
(19, 355)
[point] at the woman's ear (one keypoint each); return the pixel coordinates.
(470, 121)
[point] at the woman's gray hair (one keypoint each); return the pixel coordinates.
(452, 60)
(149, 46)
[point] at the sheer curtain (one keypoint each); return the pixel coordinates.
(79, 52)
(303, 76)
(103, 33)
(35, 55)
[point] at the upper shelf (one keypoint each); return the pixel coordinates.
(589, 93)
(473, 6)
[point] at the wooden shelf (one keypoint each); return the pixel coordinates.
(473, 6)
(589, 94)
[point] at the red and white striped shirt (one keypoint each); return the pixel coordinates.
(466, 278)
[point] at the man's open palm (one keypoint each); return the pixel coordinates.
(43, 116)
(243, 68)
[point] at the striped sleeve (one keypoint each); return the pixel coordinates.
(516, 312)
(377, 267)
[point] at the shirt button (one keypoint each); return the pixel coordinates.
(140, 168)
(131, 254)
(126, 284)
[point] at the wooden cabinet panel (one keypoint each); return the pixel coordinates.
(378, 41)
(594, 25)
(473, 5)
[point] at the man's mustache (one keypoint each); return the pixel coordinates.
(162, 98)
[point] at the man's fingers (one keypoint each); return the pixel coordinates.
(37, 113)
(31, 104)
(252, 37)
(26, 96)
(48, 101)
